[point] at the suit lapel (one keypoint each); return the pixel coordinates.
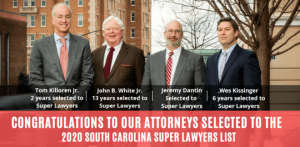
(73, 47)
(180, 65)
(100, 61)
(53, 52)
(119, 59)
(161, 65)
(216, 66)
(235, 52)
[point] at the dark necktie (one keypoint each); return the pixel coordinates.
(108, 63)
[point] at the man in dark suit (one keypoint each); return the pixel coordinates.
(117, 65)
(171, 70)
(61, 61)
(234, 69)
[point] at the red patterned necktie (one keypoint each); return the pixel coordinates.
(108, 63)
(63, 58)
(169, 70)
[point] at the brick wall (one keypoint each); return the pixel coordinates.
(17, 48)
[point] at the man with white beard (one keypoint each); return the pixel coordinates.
(170, 71)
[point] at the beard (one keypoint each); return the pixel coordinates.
(177, 43)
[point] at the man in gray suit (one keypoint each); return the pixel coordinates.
(61, 61)
(176, 76)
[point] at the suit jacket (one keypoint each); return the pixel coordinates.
(46, 72)
(127, 72)
(189, 74)
(241, 71)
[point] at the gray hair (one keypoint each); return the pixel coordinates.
(118, 20)
(61, 4)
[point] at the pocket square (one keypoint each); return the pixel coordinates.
(126, 65)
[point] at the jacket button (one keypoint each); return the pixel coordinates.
(218, 92)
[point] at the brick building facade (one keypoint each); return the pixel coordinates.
(87, 16)
(13, 47)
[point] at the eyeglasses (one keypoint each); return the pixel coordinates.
(177, 32)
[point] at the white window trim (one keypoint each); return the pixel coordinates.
(31, 40)
(97, 19)
(131, 16)
(133, 44)
(80, 5)
(124, 14)
(30, 21)
(131, 2)
(78, 19)
(45, 3)
(42, 20)
(27, 3)
(27, 19)
(131, 32)
(43, 34)
(68, 1)
(14, 3)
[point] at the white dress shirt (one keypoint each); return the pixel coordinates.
(175, 58)
(115, 54)
(228, 51)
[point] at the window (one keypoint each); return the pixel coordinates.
(67, 2)
(7, 59)
(32, 38)
(119, 13)
(27, 20)
(43, 20)
(123, 15)
(80, 20)
(25, 3)
(15, 3)
(43, 35)
(97, 23)
(132, 16)
(32, 20)
(132, 2)
(133, 44)
(43, 3)
(32, 3)
(111, 4)
(273, 57)
(132, 32)
(80, 3)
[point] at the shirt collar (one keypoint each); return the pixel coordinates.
(118, 47)
(229, 50)
(56, 37)
(176, 51)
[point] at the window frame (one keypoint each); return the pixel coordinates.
(132, 17)
(132, 32)
(24, 2)
(42, 20)
(81, 4)
(133, 2)
(31, 3)
(80, 20)
(42, 3)
(14, 3)
(31, 20)
(31, 41)
(68, 2)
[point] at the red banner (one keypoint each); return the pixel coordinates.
(149, 128)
